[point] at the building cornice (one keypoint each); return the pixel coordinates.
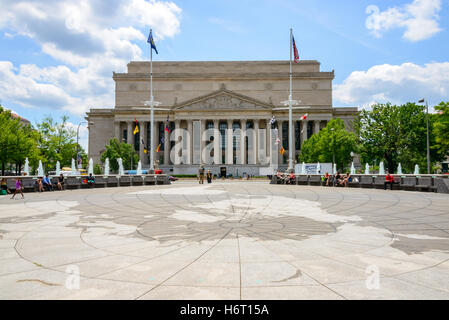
(223, 76)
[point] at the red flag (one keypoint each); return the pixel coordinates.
(304, 117)
(295, 51)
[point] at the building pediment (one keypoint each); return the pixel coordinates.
(222, 100)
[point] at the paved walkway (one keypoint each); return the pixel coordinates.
(228, 240)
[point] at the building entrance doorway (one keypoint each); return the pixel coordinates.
(223, 171)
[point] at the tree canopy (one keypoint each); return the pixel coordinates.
(333, 140)
(52, 141)
(115, 150)
(397, 134)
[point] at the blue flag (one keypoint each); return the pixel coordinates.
(151, 41)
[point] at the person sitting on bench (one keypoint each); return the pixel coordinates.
(91, 180)
(345, 180)
(291, 178)
(4, 186)
(337, 179)
(389, 179)
(61, 182)
(47, 183)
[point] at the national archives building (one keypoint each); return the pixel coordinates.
(211, 104)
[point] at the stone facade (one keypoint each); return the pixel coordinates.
(220, 96)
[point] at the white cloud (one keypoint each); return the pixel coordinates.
(90, 38)
(396, 84)
(419, 18)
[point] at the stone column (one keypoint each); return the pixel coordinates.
(242, 141)
(256, 142)
(281, 144)
(117, 130)
(129, 138)
(178, 146)
(166, 148)
(229, 147)
(203, 143)
(316, 127)
(217, 149)
(268, 139)
(190, 141)
(304, 131)
(142, 135)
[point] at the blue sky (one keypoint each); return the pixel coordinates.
(57, 57)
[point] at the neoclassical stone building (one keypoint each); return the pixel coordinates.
(202, 96)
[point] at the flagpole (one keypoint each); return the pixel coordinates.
(290, 110)
(152, 109)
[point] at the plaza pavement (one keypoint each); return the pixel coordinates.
(228, 240)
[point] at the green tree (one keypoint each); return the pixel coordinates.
(57, 143)
(396, 134)
(115, 150)
(441, 129)
(333, 140)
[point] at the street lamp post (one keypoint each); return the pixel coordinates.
(428, 138)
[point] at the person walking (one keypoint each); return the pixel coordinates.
(18, 188)
(201, 175)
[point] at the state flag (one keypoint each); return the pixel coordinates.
(158, 148)
(282, 151)
(151, 41)
(304, 117)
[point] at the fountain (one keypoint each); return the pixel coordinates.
(335, 168)
(121, 172)
(91, 167)
(318, 168)
(352, 169)
(139, 169)
(303, 168)
(40, 169)
(58, 168)
(73, 167)
(106, 167)
(399, 169)
(26, 169)
(416, 170)
(367, 169)
(381, 168)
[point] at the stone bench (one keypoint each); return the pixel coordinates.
(100, 182)
(162, 179)
(425, 184)
(408, 183)
(112, 182)
(150, 180)
(366, 181)
(302, 180)
(315, 180)
(72, 183)
(29, 185)
(379, 182)
(137, 180)
(124, 181)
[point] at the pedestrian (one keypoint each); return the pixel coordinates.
(209, 177)
(18, 188)
(201, 175)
